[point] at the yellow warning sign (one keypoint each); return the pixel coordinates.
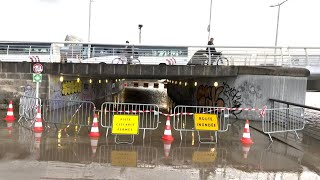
(124, 158)
(125, 124)
(206, 122)
(204, 156)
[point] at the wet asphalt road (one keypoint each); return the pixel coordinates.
(59, 154)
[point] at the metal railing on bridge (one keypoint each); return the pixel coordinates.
(79, 52)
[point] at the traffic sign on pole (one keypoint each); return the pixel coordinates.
(36, 77)
(37, 68)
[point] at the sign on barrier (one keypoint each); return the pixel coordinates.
(204, 156)
(125, 124)
(206, 122)
(124, 158)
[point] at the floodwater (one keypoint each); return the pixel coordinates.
(64, 154)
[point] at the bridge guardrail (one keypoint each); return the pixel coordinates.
(80, 52)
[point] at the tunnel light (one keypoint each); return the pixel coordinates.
(99, 81)
(116, 80)
(180, 83)
(106, 80)
(61, 78)
(185, 84)
(90, 81)
(215, 84)
(195, 83)
(78, 80)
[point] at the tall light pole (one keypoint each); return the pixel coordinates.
(140, 26)
(278, 5)
(209, 26)
(89, 25)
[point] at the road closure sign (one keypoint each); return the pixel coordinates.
(124, 158)
(125, 124)
(206, 122)
(37, 68)
(204, 156)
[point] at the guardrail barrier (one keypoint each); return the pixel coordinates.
(205, 118)
(283, 120)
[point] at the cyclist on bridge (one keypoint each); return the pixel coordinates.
(211, 51)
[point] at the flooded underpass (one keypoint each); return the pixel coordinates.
(69, 153)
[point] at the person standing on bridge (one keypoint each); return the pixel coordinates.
(211, 51)
(128, 52)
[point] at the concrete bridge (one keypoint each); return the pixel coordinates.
(248, 76)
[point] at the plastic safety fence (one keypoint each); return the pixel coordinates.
(28, 110)
(183, 119)
(68, 112)
(128, 156)
(198, 157)
(283, 120)
(148, 114)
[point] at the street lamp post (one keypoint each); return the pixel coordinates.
(89, 30)
(140, 26)
(209, 26)
(278, 5)
(89, 25)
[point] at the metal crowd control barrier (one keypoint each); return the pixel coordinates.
(283, 120)
(128, 156)
(148, 115)
(183, 122)
(28, 110)
(68, 112)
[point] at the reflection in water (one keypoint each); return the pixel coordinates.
(57, 155)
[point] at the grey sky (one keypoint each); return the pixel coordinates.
(234, 22)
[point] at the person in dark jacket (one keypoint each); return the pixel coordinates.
(213, 51)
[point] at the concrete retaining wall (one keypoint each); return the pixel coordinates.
(243, 91)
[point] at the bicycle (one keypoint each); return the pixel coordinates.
(201, 57)
(124, 60)
(218, 60)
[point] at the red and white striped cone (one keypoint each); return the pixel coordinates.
(167, 136)
(245, 150)
(10, 128)
(94, 145)
(10, 116)
(166, 148)
(37, 142)
(95, 127)
(37, 139)
(246, 139)
(38, 124)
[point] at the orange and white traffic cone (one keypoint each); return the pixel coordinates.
(10, 116)
(246, 139)
(94, 145)
(166, 148)
(37, 143)
(38, 124)
(37, 139)
(245, 150)
(10, 128)
(167, 136)
(95, 127)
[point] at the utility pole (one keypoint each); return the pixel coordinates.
(140, 27)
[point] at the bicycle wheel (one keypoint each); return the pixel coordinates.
(135, 61)
(116, 61)
(223, 61)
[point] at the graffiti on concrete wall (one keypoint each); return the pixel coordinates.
(210, 96)
(221, 96)
(250, 92)
(232, 98)
(71, 87)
